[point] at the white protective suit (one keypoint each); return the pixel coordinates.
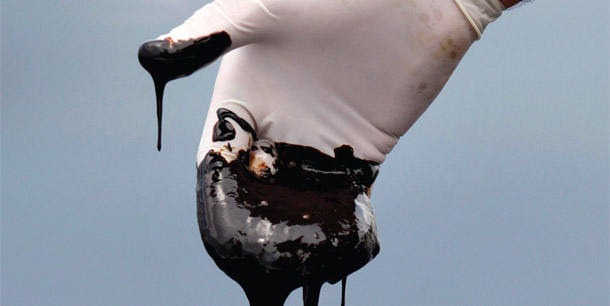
(324, 73)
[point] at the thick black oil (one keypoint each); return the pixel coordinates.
(298, 229)
(167, 60)
(224, 130)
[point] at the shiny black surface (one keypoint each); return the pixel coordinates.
(166, 61)
(224, 130)
(299, 228)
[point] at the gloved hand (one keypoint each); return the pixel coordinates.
(331, 85)
(325, 73)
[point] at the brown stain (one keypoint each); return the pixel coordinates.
(422, 86)
(450, 42)
(443, 47)
(449, 49)
(257, 166)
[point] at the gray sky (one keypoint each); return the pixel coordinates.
(497, 196)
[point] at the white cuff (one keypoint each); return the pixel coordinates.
(480, 13)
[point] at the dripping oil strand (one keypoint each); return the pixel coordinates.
(159, 88)
(343, 281)
(167, 60)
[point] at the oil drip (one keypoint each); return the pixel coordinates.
(166, 60)
(343, 282)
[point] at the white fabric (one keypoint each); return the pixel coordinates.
(480, 13)
(324, 73)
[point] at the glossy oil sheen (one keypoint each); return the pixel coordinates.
(298, 228)
(166, 61)
(224, 130)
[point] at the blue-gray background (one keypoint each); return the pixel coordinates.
(497, 196)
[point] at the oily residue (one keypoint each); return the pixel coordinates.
(309, 224)
(224, 130)
(166, 60)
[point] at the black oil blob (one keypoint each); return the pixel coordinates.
(166, 61)
(299, 230)
(224, 130)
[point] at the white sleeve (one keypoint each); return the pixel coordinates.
(480, 13)
(244, 20)
(334, 73)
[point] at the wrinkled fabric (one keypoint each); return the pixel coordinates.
(480, 13)
(327, 73)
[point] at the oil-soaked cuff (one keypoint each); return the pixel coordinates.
(231, 136)
(229, 114)
(480, 13)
